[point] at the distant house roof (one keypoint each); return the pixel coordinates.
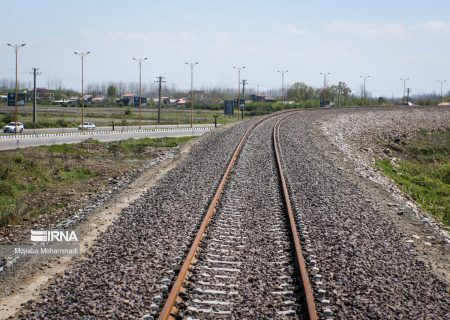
(43, 90)
(129, 95)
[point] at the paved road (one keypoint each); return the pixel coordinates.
(49, 139)
(118, 127)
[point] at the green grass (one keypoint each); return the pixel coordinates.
(135, 144)
(72, 149)
(21, 177)
(424, 172)
(70, 117)
(28, 173)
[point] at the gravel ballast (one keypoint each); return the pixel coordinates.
(368, 269)
(244, 268)
(128, 271)
(366, 263)
(362, 137)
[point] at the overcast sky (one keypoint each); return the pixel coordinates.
(386, 39)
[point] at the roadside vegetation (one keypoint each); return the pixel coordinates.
(423, 172)
(52, 116)
(40, 180)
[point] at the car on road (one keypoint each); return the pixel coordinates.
(86, 126)
(11, 127)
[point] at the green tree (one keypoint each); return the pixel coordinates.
(341, 89)
(112, 91)
(300, 91)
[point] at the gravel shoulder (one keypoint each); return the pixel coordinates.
(359, 139)
(372, 259)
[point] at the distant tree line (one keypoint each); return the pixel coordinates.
(300, 93)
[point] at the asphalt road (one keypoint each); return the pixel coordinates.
(117, 127)
(34, 141)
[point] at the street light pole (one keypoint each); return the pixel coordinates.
(192, 64)
(404, 85)
(239, 88)
(442, 83)
(282, 83)
(16, 49)
(364, 84)
(139, 60)
(324, 85)
(82, 55)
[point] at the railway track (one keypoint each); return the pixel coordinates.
(246, 260)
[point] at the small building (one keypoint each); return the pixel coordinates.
(181, 101)
(261, 98)
(128, 97)
(44, 94)
(258, 97)
(98, 99)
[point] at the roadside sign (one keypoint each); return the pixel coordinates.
(12, 99)
(143, 101)
(235, 102)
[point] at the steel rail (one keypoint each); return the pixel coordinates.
(311, 313)
(169, 310)
(169, 305)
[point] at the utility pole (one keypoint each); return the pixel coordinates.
(364, 85)
(160, 81)
(408, 90)
(442, 83)
(140, 60)
(244, 82)
(404, 85)
(339, 93)
(282, 84)
(239, 88)
(16, 49)
(192, 64)
(82, 55)
(34, 73)
(324, 86)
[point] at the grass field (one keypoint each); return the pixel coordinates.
(35, 181)
(63, 117)
(423, 172)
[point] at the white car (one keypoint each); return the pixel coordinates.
(86, 126)
(11, 127)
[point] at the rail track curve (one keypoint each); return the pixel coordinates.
(212, 265)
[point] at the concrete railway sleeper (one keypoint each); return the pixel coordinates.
(246, 260)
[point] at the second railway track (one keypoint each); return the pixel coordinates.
(246, 260)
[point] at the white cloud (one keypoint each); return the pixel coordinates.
(387, 30)
(435, 26)
(369, 29)
(292, 29)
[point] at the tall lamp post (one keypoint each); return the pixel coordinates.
(364, 85)
(442, 83)
(192, 64)
(139, 60)
(82, 55)
(282, 83)
(239, 87)
(16, 49)
(325, 74)
(404, 85)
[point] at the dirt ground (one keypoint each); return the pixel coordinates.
(26, 279)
